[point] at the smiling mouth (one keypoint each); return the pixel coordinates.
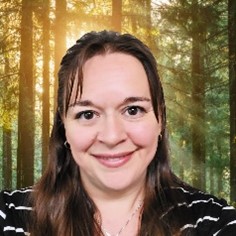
(114, 160)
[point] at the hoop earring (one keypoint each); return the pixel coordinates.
(67, 145)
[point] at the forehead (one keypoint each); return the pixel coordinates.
(112, 60)
(114, 71)
(110, 77)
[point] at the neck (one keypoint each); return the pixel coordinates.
(126, 201)
(134, 221)
(120, 214)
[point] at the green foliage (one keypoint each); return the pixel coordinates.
(180, 23)
(169, 30)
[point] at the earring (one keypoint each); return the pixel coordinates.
(67, 145)
(159, 137)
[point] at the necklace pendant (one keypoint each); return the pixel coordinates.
(107, 234)
(127, 222)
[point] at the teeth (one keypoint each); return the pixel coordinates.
(113, 159)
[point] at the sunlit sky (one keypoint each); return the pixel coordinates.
(71, 39)
(160, 1)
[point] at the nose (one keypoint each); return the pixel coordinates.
(112, 131)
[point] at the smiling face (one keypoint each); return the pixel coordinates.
(111, 128)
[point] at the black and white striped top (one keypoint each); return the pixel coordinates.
(13, 209)
(209, 215)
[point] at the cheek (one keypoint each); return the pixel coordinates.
(79, 139)
(145, 134)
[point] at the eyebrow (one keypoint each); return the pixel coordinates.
(82, 103)
(136, 99)
(85, 103)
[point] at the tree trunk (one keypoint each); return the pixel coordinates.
(211, 179)
(46, 84)
(116, 15)
(198, 118)
(232, 95)
(60, 41)
(25, 152)
(198, 106)
(220, 181)
(7, 138)
(7, 159)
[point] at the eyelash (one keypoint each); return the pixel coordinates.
(138, 108)
(82, 114)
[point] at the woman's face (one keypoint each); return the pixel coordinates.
(112, 129)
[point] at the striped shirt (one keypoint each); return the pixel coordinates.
(209, 215)
(13, 209)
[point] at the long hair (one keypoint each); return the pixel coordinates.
(60, 202)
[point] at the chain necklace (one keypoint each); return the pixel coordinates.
(124, 226)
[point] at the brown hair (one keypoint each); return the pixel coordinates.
(61, 204)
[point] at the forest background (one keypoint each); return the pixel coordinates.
(194, 42)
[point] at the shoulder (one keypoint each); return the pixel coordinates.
(14, 208)
(204, 213)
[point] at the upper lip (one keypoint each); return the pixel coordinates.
(112, 155)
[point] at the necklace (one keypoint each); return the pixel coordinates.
(126, 223)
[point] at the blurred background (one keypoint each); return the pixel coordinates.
(194, 42)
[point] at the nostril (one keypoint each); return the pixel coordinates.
(112, 132)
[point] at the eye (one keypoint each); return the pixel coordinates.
(134, 111)
(86, 115)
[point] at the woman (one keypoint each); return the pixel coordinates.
(108, 171)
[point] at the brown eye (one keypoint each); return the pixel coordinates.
(87, 115)
(134, 111)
